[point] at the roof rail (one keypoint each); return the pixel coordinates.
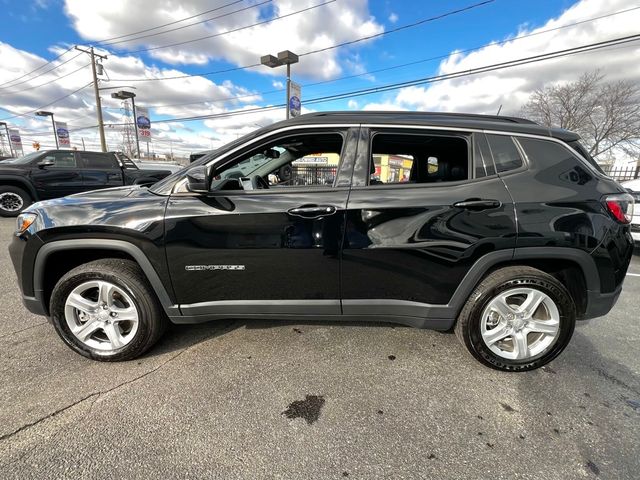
(400, 114)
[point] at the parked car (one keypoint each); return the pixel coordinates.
(503, 230)
(55, 173)
(633, 186)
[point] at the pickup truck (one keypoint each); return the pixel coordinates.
(56, 173)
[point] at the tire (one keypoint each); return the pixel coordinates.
(475, 324)
(13, 200)
(125, 286)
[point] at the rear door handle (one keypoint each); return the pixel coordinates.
(477, 204)
(312, 211)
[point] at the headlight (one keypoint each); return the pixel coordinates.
(24, 221)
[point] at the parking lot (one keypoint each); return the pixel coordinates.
(270, 399)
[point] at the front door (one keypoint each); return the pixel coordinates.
(424, 207)
(63, 177)
(266, 239)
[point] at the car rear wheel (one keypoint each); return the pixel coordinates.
(517, 319)
(106, 310)
(13, 200)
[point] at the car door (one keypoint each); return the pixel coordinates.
(101, 170)
(424, 207)
(240, 250)
(61, 176)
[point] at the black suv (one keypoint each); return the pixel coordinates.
(55, 173)
(497, 227)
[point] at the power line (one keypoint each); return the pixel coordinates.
(393, 67)
(45, 83)
(430, 79)
(48, 104)
(219, 34)
(351, 42)
(103, 41)
(35, 70)
(41, 73)
(191, 24)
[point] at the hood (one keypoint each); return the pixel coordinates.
(107, 193)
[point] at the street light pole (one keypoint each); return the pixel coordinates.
(96, 90)
(42, 113)
(284, 58)
(6, 129)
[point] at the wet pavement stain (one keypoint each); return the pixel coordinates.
(380, 412)
(432, 457)
(507, 407)
(593, 467)
(634, 404)
(391, 357)
(309, 408)
(345, 474)
(297, 330)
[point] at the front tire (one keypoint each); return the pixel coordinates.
(13, 200)
(106, 310)
(517, 319)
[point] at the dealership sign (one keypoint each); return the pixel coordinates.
(295, 99)
(63, 135)
(144, 124)
(16, 141)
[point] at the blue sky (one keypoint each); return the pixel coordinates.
(46, 27)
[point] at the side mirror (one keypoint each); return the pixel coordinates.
(46, 163)
(197, 179)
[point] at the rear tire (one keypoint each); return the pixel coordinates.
(13, 200)
(496, 330)
(106, 310)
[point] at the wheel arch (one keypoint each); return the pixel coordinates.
(49, 267)
(20, 182)
(574, 268)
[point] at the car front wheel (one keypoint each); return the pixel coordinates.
(517, 319)
(13, 200)
(106, 310)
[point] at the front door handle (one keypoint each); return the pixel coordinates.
(312, 211)
(478, 204)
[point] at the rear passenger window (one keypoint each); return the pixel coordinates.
(418, 158)
(505, 153)
(97, 160)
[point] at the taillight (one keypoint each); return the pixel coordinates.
(620, 206)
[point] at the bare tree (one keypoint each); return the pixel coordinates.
(605, 114)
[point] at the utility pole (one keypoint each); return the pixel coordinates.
(90, 51)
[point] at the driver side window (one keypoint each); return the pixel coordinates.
(299, 160)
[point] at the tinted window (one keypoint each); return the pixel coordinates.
(545, 154)
(417, 158)
(505, 153)
(99, 160)
(309, 160)
(62, 160)
(482, 157)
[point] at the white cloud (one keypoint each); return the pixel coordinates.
(511, 87)
(317, 28)
(352, 104)
(277, 84)
(183, 97)
(393, 18)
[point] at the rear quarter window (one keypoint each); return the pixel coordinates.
(506, 155)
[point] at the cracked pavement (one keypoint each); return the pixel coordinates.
(214, 401)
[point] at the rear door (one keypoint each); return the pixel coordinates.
(62, 178)
(424, 207)
(100, 170)
(271, 247)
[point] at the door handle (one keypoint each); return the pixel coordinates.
(312, 211)
(478, 204)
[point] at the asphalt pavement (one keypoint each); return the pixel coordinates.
(269, 399)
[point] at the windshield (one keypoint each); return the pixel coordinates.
(23, 160)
